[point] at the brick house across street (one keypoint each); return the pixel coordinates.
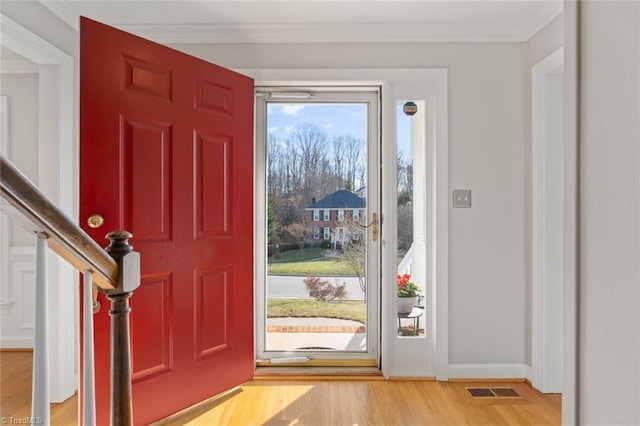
(331, 218)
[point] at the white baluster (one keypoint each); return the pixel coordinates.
(40, 392)
(88, 373)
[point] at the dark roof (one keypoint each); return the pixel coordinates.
(341, 199)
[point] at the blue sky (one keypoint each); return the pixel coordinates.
(335, 119)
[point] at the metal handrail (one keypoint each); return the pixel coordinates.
(65, 238)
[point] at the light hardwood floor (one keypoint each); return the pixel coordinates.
(320, 402)
(15, 392)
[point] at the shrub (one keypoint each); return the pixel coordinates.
(322, 290)
(271, 248)
(288, 246)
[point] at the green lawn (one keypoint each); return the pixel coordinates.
(298, 255)
(343, 309)
(308, 262)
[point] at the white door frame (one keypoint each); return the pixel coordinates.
(56, 140)
(432, 85)
(547, 243)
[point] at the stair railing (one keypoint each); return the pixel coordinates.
(114, 270)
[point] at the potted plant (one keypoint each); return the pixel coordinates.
(407, 293)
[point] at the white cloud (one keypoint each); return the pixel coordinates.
(273, 129)
(289, 129)
(329, 125)
(292, 109)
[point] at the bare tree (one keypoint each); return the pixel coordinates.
(354, 159)
(338, 161)
(405, 203)
(310, 142)
(405, 227)
(310, 165)
(353, 251)
(296, 233)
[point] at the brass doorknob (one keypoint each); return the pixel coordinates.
(373, 225)
(95, 221)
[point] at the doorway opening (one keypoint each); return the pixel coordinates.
(318, 267)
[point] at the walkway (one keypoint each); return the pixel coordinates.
(286, 334)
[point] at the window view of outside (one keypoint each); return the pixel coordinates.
(316, 195)
(316, 211)
(410, 289)
(405, 183)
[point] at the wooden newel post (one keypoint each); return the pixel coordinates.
(128, 280)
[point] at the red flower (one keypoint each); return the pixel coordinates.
(405, 287)
(403, 280)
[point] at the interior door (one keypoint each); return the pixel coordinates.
(166, 152)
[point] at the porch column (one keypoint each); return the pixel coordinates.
(418, 147)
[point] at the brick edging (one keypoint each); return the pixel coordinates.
(316, 329)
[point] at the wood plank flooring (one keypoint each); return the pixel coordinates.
(15, 392)
(319, 402)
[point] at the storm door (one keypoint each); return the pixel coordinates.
(318, 242)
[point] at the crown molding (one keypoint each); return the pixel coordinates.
(321, 33)
(542, 19)
(29, 45)
(64, 10)
(327, 33)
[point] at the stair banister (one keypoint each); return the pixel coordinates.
(88, 365)
(40, 389)
(128, 280)
(115, 271)
(65, 237)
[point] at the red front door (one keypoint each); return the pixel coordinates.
(166, 152)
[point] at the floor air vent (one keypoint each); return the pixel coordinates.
(481, 392)
(505, 392)
(493, 393)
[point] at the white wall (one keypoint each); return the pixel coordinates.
(40, 21)
(22, 91)
(486, 139)
(609, 257)
(32, 31)
(17, 293)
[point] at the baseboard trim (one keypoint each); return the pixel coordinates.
(507, 380)
(509, 372)
(529, 375)
(19, 343)
(414, 378)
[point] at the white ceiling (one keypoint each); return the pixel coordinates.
(262, 21)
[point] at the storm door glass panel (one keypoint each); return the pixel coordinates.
(411, 250)
(316, 297)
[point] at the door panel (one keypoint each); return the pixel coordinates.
(146, 156)
(166, 152)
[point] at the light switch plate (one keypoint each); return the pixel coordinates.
(462, 198)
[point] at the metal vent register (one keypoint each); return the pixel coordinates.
(493, 393)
